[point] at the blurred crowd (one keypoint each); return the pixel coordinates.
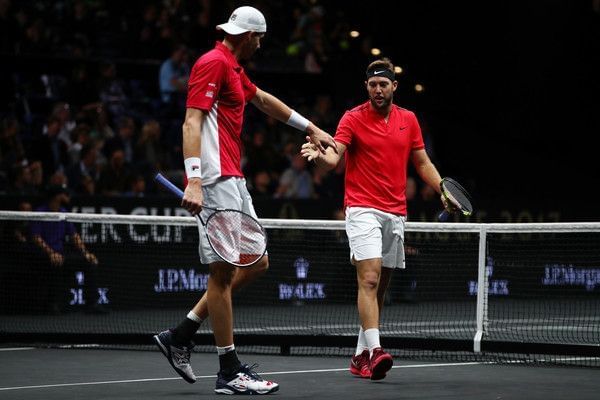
(99, 131)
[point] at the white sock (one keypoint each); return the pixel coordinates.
(191, 315)
(226, 349)
(372, 337)
(362, 342)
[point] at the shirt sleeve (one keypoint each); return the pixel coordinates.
(205, 82)
(416, 134)
(248, 86)
(344, 130)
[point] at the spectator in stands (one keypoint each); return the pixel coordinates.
(88, 186)
(80, 138)
(85, 168)
(101, 126)
(50, 238)
(11, 145)
(115, 176)
(112, 93)
(37, 175)
(262, 186)
(22, 182)
(49, 149)
(173, 76)
(150, 155)
(62, 112)
(125, 140)
(137, 186)
(296, 181)
(261, 155)
(219, 88)
(375, 200)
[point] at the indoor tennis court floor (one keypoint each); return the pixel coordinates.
(34, 373)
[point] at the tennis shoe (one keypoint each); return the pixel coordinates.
(178, 356)
(359, 365)
(245, 381)
(381, 362)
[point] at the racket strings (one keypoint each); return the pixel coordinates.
(458, 196)
(236, 237)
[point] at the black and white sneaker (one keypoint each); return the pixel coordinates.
(245, 381)
(178, 356)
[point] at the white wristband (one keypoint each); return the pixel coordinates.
(298, 121)
(193, 167)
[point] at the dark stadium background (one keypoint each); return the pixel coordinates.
(511, 88)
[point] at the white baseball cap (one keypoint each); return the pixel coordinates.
(244, 19)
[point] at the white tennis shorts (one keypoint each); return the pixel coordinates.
(376, 234)
(231, 193)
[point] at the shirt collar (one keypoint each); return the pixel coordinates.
(229, 55)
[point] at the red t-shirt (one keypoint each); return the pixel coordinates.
(377, 155)
(219, 86)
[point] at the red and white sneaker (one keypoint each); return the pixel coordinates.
(359, 365)
(380, 363)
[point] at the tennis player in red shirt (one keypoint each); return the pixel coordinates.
(378, 138)
(218, 91)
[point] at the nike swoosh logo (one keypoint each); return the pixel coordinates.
(403, 128)
(378, 72)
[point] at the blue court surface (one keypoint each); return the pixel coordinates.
(51, 373)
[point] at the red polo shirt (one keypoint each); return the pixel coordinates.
(219, 86)
(377, 156)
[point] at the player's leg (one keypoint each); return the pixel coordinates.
(364, 234)
(392, 233)
(384, 282)
(235, 377)
(367, 274)
(241, 278)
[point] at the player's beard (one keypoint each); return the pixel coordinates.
(382, 104)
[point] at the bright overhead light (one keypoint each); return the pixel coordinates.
(354, 34)
(375, 51)
(398, 70)
(419, 88)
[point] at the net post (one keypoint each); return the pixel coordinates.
(482, 284)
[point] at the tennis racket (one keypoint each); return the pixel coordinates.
(454, 193)
(238, 238)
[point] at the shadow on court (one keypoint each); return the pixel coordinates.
(48, 374)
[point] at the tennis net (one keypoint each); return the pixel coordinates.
(499, 292)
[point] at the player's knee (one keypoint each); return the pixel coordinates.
(222, 274)
(369, 280)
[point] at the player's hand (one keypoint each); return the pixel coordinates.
(448, 205)
(321, 138)
(309, 150)
(56, 259)
(90, 257)
(193, 197)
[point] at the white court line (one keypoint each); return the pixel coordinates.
(307, 371)
(16, 348)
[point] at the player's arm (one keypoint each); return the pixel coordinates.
(426, 169)
(277, 109)
(430, 175)
(78, 242)
(326, 160)
(192, 140)
(55, 257)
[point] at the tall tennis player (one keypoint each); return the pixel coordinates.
(218, 91)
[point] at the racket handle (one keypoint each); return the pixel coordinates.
(443, 216)
(167, 183)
